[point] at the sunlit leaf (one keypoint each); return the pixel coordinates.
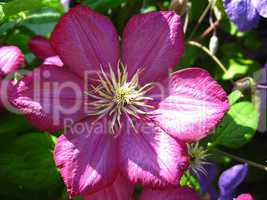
(235, 96)
(16, 6)
(238, 67)
(238, 126)
(190, 181)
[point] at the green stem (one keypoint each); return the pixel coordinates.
(207, 51)
(237, 158)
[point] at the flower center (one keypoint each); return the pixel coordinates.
(116, 96)
(125, 94)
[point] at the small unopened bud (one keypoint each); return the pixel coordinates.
(246, 84)
(214, 44)
(179, 6)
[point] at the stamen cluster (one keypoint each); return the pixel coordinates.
(198, 158)
(115, 96)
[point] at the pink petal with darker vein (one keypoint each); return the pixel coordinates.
(41, 47)
(87, 159)
(154, 42)
(84, 40)
(151, 157)
(10, 59)
(50, 96)
(195, 105)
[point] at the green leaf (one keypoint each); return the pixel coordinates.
(235, 96)
(197, 8)
(231, 50)
(27, 169)
(43, 16)
(190, 181)
(40, 29)
(2, 14)
(6, 27)
(251, 40)
(104, 5)
(8, 120)
(121, 15)
(238, 67)
(230, 28)
(41, 22)
(238, 126)
(78, 198)
(20, 37)
(16, 6)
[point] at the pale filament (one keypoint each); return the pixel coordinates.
(116, 96)
(198, 159)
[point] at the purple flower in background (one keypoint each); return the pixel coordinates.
(245, 13)
(206, 180)
(229, 180)
(262, 94)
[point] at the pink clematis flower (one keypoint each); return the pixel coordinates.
(128, 117)
(11, 58)
(42, 49)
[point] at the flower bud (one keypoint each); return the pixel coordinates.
(179, 6)
(214, 44)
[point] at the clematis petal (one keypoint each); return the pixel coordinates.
(54, 60)
(41, 47)
(87, 158)
(151, 157)
(153, 42)
(84, 40)
(196, 103)
(5, 86)
(231, 179)
(242, 13)
(261, 7)
(169, 194)
(121, 189)
(244, 197)
(49, 97)
(10, 59)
